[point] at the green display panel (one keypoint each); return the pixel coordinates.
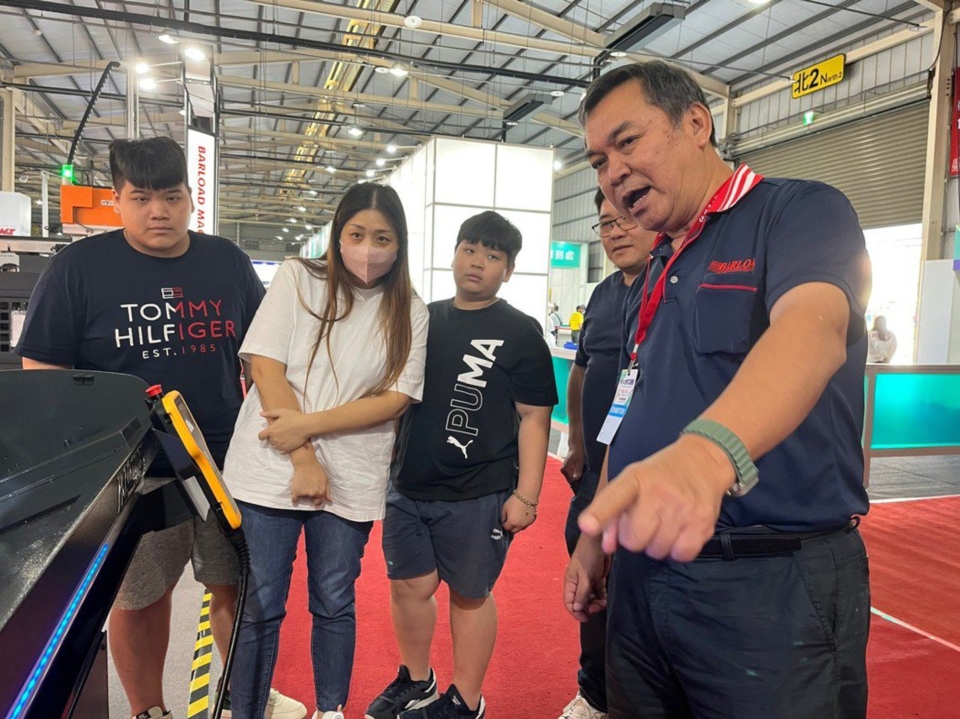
(914, 410)
(561, 372)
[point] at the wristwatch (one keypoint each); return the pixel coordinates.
(747, 474)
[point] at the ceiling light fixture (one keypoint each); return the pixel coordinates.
(284, 229)
(620, 53)
(355, 131)
(169, 38)
(331, 169)
(371, 173)
(392, 149)
(147, 83)
(526, 105)
(142, 68)
(292, 220)
(381, 162)
(413, 21)
(302, 208)
(398, 70)
(313, 192)
(648, 24)
(380, 69)
(557, 165)
(308, 227)
(558, 93)
(195, 53)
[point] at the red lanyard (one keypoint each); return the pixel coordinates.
(650, 302)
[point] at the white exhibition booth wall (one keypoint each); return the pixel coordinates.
(449, 180)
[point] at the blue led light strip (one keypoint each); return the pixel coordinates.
(29, 689)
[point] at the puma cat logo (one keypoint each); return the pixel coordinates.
(462, 447)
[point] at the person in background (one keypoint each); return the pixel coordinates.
(467, 475)
(555, 322)
(576, 322)
(336, 352)
(739, 584)
(590, 389)
(882, 344)
(171, 307)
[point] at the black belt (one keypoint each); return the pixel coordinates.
(731, 545)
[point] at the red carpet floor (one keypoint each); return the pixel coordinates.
(534, 666)
(915, 574)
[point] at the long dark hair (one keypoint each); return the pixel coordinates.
(397, 289)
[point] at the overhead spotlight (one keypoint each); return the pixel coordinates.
(313, 192)
(620, 53)
(381, 162)
(638, 31)
(292, 220)
(380, 69)
(331, 169)
(526, 105)
(169, 38)
(284, 229)
(558, 93)
(147, 83)
(413, 21)
(358, 105)
(392, 149)
(398, 70)
(195, 53)
(371, 173)
(557, 165)
(279, 237)
(355, 131)
(142, 68)
(301, 209)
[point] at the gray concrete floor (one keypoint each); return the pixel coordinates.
(890, 478)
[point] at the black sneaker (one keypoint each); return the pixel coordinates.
(450, 705)
(402, 694)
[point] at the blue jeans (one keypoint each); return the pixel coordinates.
(334, 549)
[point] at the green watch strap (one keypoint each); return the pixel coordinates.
(747, 474)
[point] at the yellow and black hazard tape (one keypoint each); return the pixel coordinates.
(199, 705)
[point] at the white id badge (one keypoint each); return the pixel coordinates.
(621, 400)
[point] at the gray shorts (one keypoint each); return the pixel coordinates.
(463, 540)
(161, 556)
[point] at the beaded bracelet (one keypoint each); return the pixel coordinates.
(524, 500)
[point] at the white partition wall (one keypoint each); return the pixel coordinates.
(449, 180)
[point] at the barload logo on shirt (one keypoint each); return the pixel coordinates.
(723, 268)
(171, 328)
(469, 384)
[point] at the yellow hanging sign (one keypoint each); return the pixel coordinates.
(817, 77)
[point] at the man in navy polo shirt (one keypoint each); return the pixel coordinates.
(728, 597)
(593, 380)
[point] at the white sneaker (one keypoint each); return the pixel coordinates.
(328, 715)
(278, 707)
(580, 708)
(154, 713)
(283, 707)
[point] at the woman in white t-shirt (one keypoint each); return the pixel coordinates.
(337, 352)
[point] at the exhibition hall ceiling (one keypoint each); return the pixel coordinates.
(314, 96)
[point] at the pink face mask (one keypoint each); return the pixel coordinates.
(367, 263)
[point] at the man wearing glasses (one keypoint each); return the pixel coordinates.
(593, 380)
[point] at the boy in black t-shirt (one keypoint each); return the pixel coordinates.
(467, 476)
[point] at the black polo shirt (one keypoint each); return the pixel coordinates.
(599, 353)
(716, 304)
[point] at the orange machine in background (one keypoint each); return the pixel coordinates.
(85, 210)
